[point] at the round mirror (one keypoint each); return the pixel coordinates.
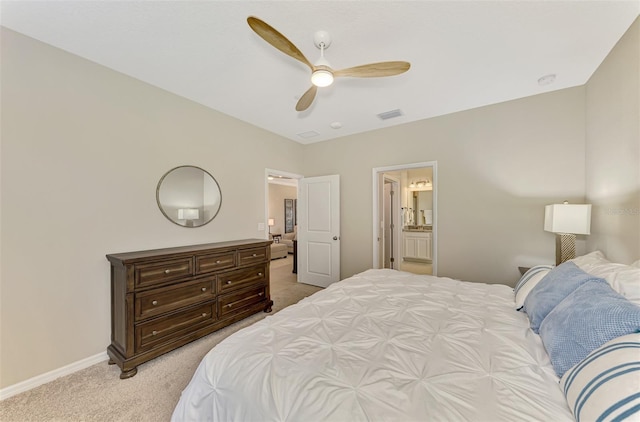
(189, 196)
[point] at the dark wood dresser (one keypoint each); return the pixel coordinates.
(162, 299)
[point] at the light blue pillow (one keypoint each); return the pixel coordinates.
(588, 318)
(551, 290)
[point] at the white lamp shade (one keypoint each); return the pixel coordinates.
(271, 222)
(568, 218)
(188, 214)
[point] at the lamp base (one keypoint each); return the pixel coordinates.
(565, 247)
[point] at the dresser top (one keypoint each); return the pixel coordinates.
(128, 257)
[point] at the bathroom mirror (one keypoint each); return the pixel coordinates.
(422, 207)
(189, 196)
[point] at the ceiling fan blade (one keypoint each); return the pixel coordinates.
(276, 39)
(374, 70)
(307, 98)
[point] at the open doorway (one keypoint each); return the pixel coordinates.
(281, 196)
(405, 221)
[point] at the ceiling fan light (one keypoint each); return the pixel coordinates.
(322, 78)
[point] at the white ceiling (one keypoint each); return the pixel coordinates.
(463, 54)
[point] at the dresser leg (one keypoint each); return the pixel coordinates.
(111, 362)
(128, 374)
(268, 306)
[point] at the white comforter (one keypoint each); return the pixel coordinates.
(382, 345)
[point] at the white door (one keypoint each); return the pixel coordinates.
(387, 224)
(319, 230)
(391, 222)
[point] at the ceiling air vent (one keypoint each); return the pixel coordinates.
(390, 114)
(307, 135)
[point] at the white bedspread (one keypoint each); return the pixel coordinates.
(382, 345)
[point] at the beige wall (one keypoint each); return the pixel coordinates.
(83, 148)
(497, 168)
(277, 195)
(613, 151)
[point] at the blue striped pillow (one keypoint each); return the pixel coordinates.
(528, 281)
(605, 386)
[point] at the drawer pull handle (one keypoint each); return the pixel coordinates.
(167, 271)
(154, 332)
(154, 303)
(228, 281)
(259, 274)
(204, 289)
(260, 294)
(229, 305)
(218, 261)
(254, 255)
(204, 315)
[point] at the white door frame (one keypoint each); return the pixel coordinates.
(377, 172)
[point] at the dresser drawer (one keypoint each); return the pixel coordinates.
(250, 256)
(164, 299)
(230, 303)
(161, 272)
(241, 278)
(215, 262)
(151, 333)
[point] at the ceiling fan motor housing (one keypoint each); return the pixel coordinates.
(322, 39)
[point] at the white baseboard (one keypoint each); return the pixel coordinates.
(34, 382)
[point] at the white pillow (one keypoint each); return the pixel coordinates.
(592, 259)
(528, 281)
(636, 264)
(604, 386)
(624, 279)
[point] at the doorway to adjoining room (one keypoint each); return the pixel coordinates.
(282, 195)
(405, 223)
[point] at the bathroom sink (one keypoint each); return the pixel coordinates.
(417, 228)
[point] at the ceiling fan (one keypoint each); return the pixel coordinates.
(321, 72)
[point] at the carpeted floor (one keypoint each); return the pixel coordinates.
(98, 394)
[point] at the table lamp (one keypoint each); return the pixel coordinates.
(566, 220)
(188, 214)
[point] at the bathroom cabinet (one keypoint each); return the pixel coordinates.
(417, 245)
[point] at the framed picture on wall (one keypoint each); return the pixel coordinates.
(289, 218)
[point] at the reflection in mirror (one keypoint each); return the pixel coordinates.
(189, 196)
(423, 207)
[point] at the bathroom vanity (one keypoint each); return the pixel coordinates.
(417, 243)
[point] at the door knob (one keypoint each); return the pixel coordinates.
(335, 237)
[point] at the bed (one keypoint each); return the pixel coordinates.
(385, 345)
